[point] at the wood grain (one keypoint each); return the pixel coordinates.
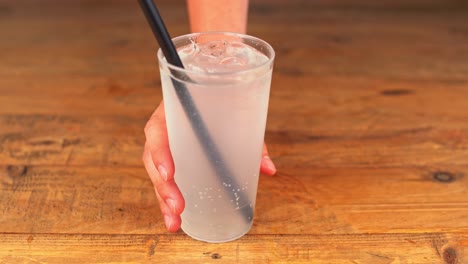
(368, 126)
(116, 200)
(388, 248)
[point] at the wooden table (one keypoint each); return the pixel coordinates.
(368, 126)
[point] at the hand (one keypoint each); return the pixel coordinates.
(160, 167)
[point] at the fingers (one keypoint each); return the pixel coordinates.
(267, 166)
(158, 162)
(158, 144)
(171, 201)
(172, 222)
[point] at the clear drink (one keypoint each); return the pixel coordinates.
(227, 77)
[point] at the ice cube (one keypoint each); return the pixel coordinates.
(220, 57)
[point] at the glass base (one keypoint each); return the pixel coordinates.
(213, 240)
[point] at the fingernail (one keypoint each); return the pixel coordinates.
(269, 164)
(171, 204)
(163, 172)
(168, 222)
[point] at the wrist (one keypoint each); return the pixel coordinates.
(218, 15)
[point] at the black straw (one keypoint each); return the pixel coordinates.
(214, 156)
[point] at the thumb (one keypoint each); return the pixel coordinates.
(267, 166)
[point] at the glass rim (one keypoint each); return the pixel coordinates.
(268, 47)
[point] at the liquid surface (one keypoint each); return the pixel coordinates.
(220, 56)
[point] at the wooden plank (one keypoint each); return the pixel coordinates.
(388, 248)
(333, 200)
(78, 199)
(117, 200)
(68, 140)
(336, 45)
(367, 138)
